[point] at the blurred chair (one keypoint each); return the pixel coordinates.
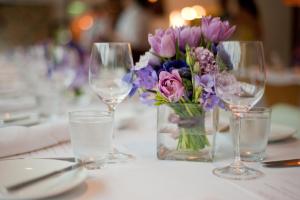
(289, 94)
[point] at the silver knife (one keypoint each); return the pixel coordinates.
(282, 163)
(15, 187)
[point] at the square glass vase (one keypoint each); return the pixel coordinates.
(186, 132)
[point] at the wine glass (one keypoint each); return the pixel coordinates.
(109, 65)
(240, 84)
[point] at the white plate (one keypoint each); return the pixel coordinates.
(20, 119)
(280, 132)
(15, 171)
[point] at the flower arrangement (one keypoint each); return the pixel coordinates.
(179, 70)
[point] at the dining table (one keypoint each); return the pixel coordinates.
(146, 177)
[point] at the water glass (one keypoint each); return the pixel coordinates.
(255, 130)
(91, 136)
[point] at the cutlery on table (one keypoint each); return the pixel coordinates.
(69, 159)
(18, 186)
(282, 163)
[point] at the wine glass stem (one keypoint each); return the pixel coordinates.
(237, 163)
(112, 110)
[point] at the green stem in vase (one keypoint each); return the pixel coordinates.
(192, 134)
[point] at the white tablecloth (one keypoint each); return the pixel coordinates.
(146, 177)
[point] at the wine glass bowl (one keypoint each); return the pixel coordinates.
(110, 80)
(240, 84)
(109, 64)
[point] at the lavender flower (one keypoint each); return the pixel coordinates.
(209, 101)
(146, 78)
(206, 60)
(215, 30)
(128, 78)
(206, 82)
(163, 42)
(208, 98)
(170, 85)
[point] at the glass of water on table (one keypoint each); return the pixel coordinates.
(254, 133)
(91, 136)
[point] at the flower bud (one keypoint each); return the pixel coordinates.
(196, 67)
(189, 58)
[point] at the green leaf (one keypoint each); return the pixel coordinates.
(197, 94)
(188, 85)
(202, 41)
(209, 45)
(160, 99)
(222, 66)
(190, 60)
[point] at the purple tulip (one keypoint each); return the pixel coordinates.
(215, 30)
(163, 42)
(170, 85)
(188, 35)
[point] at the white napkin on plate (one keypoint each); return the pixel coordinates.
(21, 139)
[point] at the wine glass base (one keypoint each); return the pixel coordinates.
(118, 157)
(243, 173)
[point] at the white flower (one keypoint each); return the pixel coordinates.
(147, 59)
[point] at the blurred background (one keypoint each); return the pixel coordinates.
(45, 44)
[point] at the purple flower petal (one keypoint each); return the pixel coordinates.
(215, 30)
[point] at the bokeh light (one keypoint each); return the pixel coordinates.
(200, 11)
(152, 1)
(76, 8)
(176, 19)
(85, 22)
(188, 13)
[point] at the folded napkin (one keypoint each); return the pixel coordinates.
(16, 103)
(20, 139)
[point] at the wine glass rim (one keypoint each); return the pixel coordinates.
(242, 41)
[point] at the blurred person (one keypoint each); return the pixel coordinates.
(133, 25)
(104, 16)
(245, 15)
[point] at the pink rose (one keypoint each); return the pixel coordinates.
(170, 85)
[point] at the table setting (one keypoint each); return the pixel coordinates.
(166, 127)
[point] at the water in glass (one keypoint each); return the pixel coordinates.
(91, 137)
